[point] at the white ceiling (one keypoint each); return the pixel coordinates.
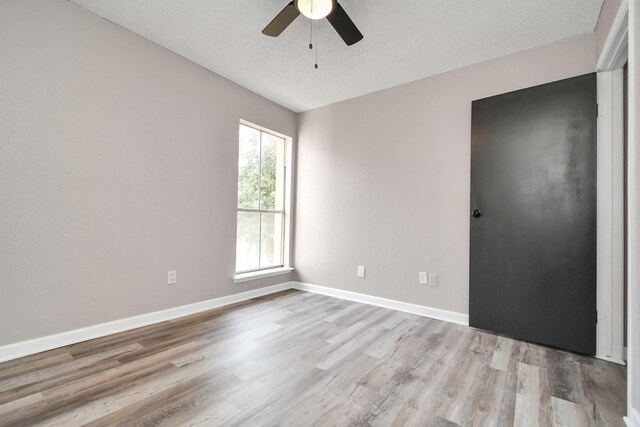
(404, 40)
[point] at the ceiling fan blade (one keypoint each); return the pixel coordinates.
(344, 25)
(281, 21)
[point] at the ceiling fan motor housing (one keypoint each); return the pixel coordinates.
(315, 9)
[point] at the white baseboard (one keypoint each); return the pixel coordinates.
(611, 359)
(420, 310)
(633, 419)
(37, 345)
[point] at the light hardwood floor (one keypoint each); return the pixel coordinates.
(299, 359)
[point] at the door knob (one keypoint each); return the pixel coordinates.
(477, 213)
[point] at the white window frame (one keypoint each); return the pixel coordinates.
(286, 253)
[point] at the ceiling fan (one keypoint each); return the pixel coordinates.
(316, 9)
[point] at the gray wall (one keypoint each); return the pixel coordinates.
(383, 180)
(117, 163)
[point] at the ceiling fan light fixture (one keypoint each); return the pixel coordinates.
(315, 9)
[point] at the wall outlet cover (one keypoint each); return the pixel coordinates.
(422, 278)
(361, 271)
(172, 278)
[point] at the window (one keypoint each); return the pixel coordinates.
(262, 227)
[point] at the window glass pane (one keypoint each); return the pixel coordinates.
(271, 245)
(272, 180)
(248, 168)
(248, 241)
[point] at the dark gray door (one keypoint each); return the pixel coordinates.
(533, 237)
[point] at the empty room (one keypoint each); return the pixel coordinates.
(320, 213)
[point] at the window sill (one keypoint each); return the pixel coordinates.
(254, 275)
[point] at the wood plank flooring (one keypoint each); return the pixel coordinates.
(300, 359)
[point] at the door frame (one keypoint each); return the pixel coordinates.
(610, 185)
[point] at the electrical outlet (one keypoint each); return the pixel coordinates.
(433, 280)
(422, 277)
(172, 278)
(361, 271)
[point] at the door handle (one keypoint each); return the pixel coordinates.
(476, 213)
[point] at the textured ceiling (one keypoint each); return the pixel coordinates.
(404, 40)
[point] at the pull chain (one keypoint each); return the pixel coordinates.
(311, 37)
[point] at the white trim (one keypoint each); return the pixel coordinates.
(633, 419)
(614, 55)
(611, 359)
(633, 218)
(261, 274)
(263, 129)
(288, 205)
(37, 345)
(610, 214)
(420, 310)
(50, 342)
(287, 239)
(614, 52)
